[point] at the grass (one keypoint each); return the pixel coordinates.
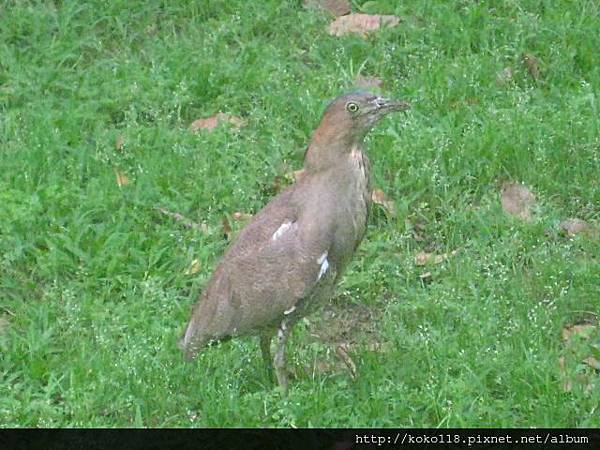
(93, 286)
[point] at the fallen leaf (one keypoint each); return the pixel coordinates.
(194, 267)
(368, 82)
(335, 7)
(425, 276)
(379, 197)
(210, 123)
(574, 226)
(239, 216)
(532, 64)
(424, 258)
(592, 362)
(119, 142)
(517, 200)
(122, 179)
(584, 331)
(361, 23)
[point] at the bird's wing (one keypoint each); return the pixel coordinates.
(277, 260)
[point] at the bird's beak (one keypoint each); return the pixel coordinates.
(386, 105)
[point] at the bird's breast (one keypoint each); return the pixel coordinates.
(353, 206)
(359, 197)
(359, 166)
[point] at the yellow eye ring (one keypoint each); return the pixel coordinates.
(351, 107)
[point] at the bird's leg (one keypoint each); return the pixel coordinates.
(279, 359)
(265, 349)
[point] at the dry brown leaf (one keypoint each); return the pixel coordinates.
(592, 362)
(424, 258)
(241, 216)
(368, 82)
(517, 200)
(361, 23)
(574, 226)
(210, 123)
(379, 197)
(194, 267)
(335, 7)
(119, 142)
(122, 179)
(425, 276)
(532, 64)
(585, 331)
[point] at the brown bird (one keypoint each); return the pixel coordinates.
(286, 261)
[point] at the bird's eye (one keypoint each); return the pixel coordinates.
(351, 107)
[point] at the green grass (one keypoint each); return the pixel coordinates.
(93, 286)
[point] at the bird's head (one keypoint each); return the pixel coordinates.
(357, 112)
(347, 120)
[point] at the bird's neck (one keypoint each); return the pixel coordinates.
(329, 147)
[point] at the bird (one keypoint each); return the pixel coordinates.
(287, 260)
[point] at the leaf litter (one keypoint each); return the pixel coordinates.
(361, 23)
(426, 258)
(379, 198)
(517, 200)
(210, 123)
(573, 226)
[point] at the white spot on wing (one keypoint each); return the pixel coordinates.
(285, 226)
(324, 265)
